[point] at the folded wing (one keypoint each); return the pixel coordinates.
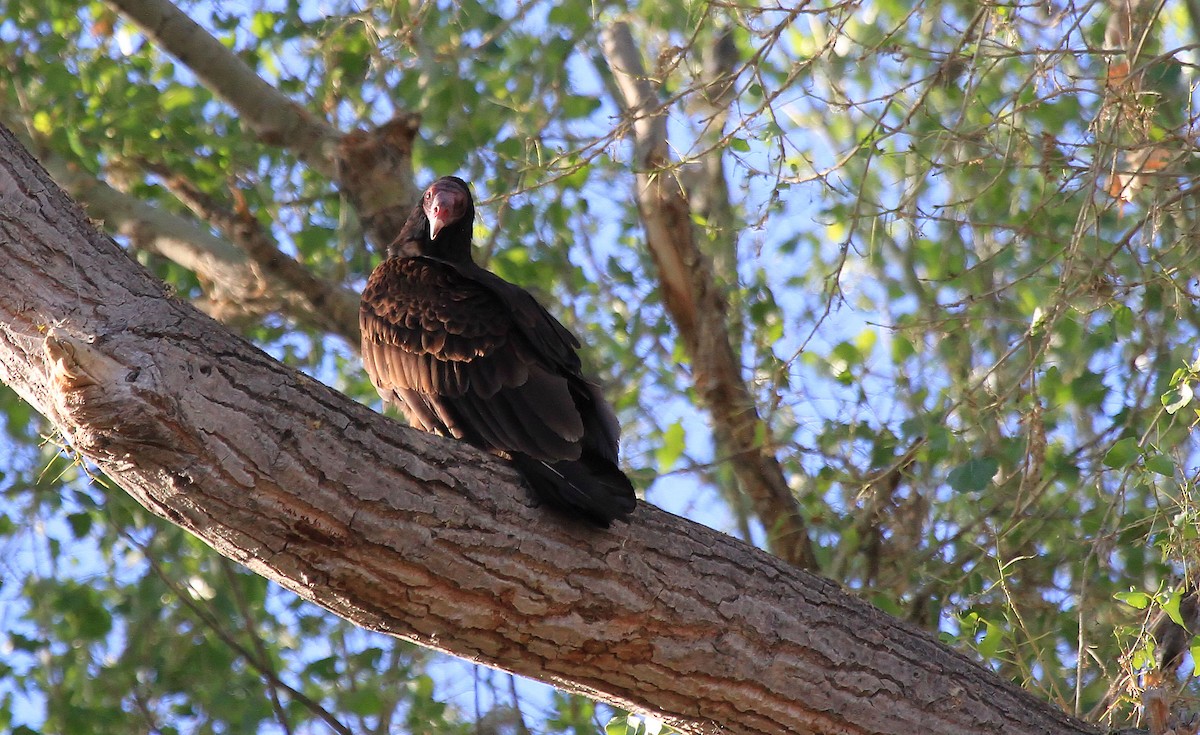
(452, 352)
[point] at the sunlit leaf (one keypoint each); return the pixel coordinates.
(1138, 600)
(1177, 398)
(671, 449)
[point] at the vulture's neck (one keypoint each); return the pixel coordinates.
(452, 245)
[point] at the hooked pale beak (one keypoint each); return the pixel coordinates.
(436, 223)
(444, 208)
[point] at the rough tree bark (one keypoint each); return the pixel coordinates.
(428, 539)
(698, 308)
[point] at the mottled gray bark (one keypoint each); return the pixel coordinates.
(431, 541)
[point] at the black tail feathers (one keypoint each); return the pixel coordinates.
(591, 488)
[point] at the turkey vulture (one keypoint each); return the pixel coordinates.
(466, 354)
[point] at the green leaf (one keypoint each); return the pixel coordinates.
(1138, 600)
(1177, 397)
(993, 636)
(43, 122)
(422, 687)
(671, 449)
(1124, 453)
(576, 106)
(902, 348)
(842, 359)
(1123, 322)
(261, 24)
(974, 475)
(26, 644)
(1143, 656)
(1088, 389)
(363, 701)
(83, 612)
(323, 669)
(1171, 607)
(80, 524)
(865, 341)
(176, 97)
(619, 725)
(1037, 321)
(1160, 464)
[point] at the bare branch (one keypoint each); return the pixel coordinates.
(427, 539)
(235, 287)
(301, 293)
(258, 659)
(699, 310)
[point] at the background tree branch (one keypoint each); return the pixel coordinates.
(374, 168)
(698, 308)
(427, 539)
(277, 119)
(246, 274)
(298, 291)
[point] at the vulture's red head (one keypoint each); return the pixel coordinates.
(440, 224)
(447, 202)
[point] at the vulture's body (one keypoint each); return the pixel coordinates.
(466, 354)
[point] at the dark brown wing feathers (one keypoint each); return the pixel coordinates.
(465, 354)
(427, 329)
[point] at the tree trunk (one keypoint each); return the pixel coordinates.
(431, 541)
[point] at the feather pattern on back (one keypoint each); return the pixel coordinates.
(465, 354)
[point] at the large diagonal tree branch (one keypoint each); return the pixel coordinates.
(698, 308)
(427, 539)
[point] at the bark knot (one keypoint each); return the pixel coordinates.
(96, 399)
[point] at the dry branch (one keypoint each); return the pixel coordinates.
(698, 309)
(427, 539)
(294, 289)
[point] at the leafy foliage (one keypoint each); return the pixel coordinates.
(957, 254)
